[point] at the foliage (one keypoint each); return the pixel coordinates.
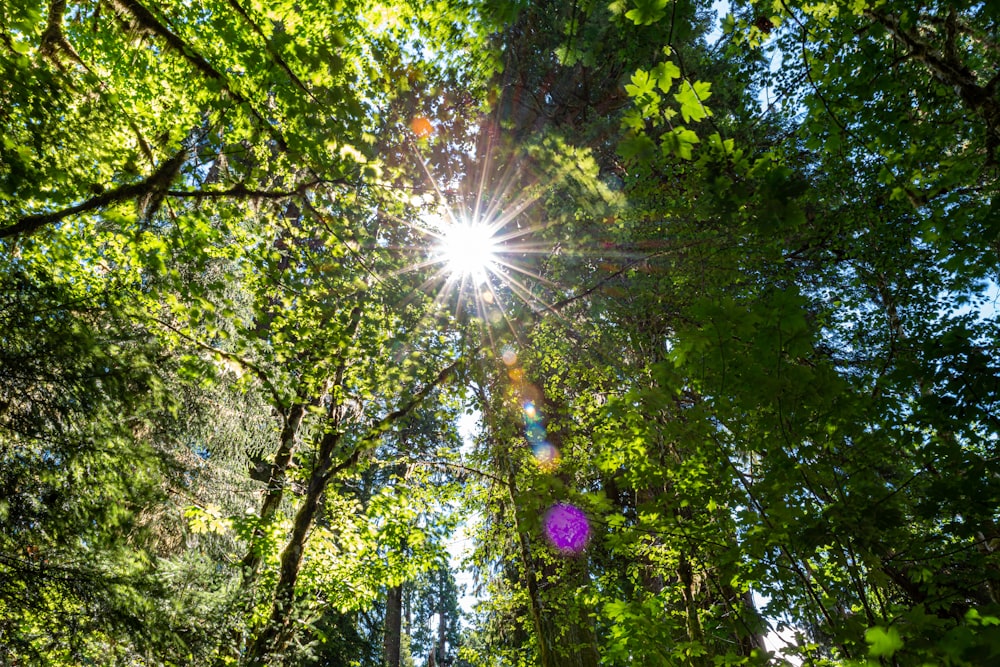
(743, 296)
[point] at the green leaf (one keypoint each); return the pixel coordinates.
(680, 142)
(641, 84)
(647, 11)
(883, 642)
(665, 73)
(691, 99)
(617, 610)
(638, 147)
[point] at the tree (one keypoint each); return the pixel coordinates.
(755, 368)
(92, 443)
(239, 165)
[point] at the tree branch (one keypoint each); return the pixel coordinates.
(240, 190)
(459, 466)
(145, 20)
(54, 40)
(147, 189)
(270, 50)
(382, 425)
(275, 634)
(947, 69)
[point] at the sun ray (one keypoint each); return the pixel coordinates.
(525, 272)
(487, 160)
(503, 313)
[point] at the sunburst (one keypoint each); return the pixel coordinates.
(485, 247)
(468, 249)
(479, 244)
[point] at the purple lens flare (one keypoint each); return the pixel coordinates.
(566, 527)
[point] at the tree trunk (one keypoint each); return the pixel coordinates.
(272, 639)
(275, 485)
(442, 643)
(393, 625)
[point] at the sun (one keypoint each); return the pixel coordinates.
(483, 252)
(468, 249)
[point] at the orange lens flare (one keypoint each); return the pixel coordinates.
(421, 127)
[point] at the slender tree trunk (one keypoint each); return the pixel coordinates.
(442, 610)
(544, 654)
(275, 485)
(273, 638)
(408, 610)
(686, 576)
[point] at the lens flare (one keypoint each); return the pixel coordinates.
(535, 433)
(468, 250)
(566, 528)
(421, 126)
(546, 456)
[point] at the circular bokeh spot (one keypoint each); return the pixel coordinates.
(546, 455)
(509, 356)
(535, 433)
(421, 127)
(566, 528)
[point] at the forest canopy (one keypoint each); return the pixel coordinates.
(499, 333)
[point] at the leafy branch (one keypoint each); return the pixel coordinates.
(242, 362)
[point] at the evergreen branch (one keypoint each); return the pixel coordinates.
(258, 372)
(382, 425)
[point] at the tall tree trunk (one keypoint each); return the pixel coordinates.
(442, 609)
(393, 626)
(274, 637)
(544, 654)
(275, 486)
(408, 610)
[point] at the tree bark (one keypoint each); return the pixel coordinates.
(275, 485)
(272, 639)
(393, 625)
(154, 187)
